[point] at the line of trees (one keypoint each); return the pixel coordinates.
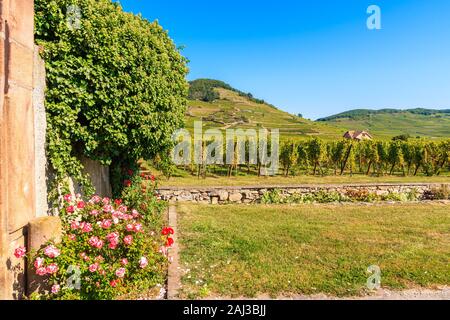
(318, 157)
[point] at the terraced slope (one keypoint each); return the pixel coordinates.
(232, 110)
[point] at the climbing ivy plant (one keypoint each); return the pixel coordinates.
(116, 87)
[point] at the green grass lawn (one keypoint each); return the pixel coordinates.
(187, 180)
(239, 250)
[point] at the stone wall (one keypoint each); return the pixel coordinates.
(40, 125)
(17, 144)
(253, 194)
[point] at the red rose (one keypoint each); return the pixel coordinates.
(118, 202)
(130, 172)
(169, 242)
(80, 205)
(114, 283)
(70, 209)
(127, 183)
(165, 232)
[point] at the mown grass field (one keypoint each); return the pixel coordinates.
(245, 251)
(188, 180)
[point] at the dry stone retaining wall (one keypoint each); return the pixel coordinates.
(253, 194)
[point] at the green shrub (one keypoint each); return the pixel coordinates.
(351, 195)
(395, 196)
(116, 87)
(272, 197)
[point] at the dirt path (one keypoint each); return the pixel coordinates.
(174, 277)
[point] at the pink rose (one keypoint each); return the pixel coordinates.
(143, 262)
(124, 261)
(95, 199)
(51, 251)
(107, 208)
(99, 244)
(87, 227)
(120, 273)
(39, 262)
(106, 224)
(135, 213)
(130, 227)
(74, 225)
(56, 288)
(41, 271)
(128, 240)
(20, 252)
(94, 213)
(70, 209)
(93, 241)
(113, 239)
(112, 245)
(113, 236)
(93, 267)
(106, 200)
(52, 268)
(123, 209)
(138, 227)
(68, 198)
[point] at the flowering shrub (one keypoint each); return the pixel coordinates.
(107, 248)
(141, 194)
(276, 197)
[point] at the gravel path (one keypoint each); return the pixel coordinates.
(441, 293)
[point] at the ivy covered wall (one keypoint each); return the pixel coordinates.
(116, 86)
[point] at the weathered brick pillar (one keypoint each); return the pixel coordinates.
(17, 163)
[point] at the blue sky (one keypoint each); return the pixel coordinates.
(315, 57)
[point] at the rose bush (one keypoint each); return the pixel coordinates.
(108, 247)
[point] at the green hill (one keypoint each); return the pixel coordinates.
(387, 123)
(221, 106)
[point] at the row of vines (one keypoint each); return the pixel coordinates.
(318, 157)
(368, 157)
